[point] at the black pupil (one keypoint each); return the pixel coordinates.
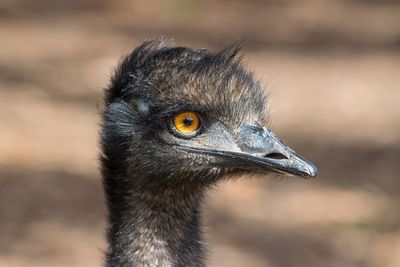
(188, 121)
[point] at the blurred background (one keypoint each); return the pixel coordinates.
(332, 69)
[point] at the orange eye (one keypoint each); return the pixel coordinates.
(187, 122)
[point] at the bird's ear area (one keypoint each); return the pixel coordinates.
(135, 98)
(118, 117)
(117, 127)
(129, 71)
(140, 105)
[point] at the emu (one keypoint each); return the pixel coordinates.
(176, 121)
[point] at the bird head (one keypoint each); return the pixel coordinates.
(192, 112)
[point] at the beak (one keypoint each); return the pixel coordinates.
(261, 150)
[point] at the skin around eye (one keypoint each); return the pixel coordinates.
(187, 122)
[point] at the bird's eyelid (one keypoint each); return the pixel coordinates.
(173, 110)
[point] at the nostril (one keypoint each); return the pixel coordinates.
(276, 155)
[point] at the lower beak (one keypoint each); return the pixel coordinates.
(262, 150)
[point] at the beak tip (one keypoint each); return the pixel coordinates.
(312, 171)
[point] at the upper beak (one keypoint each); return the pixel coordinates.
(261, 147)
(261, 150)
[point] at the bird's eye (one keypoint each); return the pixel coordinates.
(187, 123)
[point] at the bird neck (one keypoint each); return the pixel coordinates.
(150, 226)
